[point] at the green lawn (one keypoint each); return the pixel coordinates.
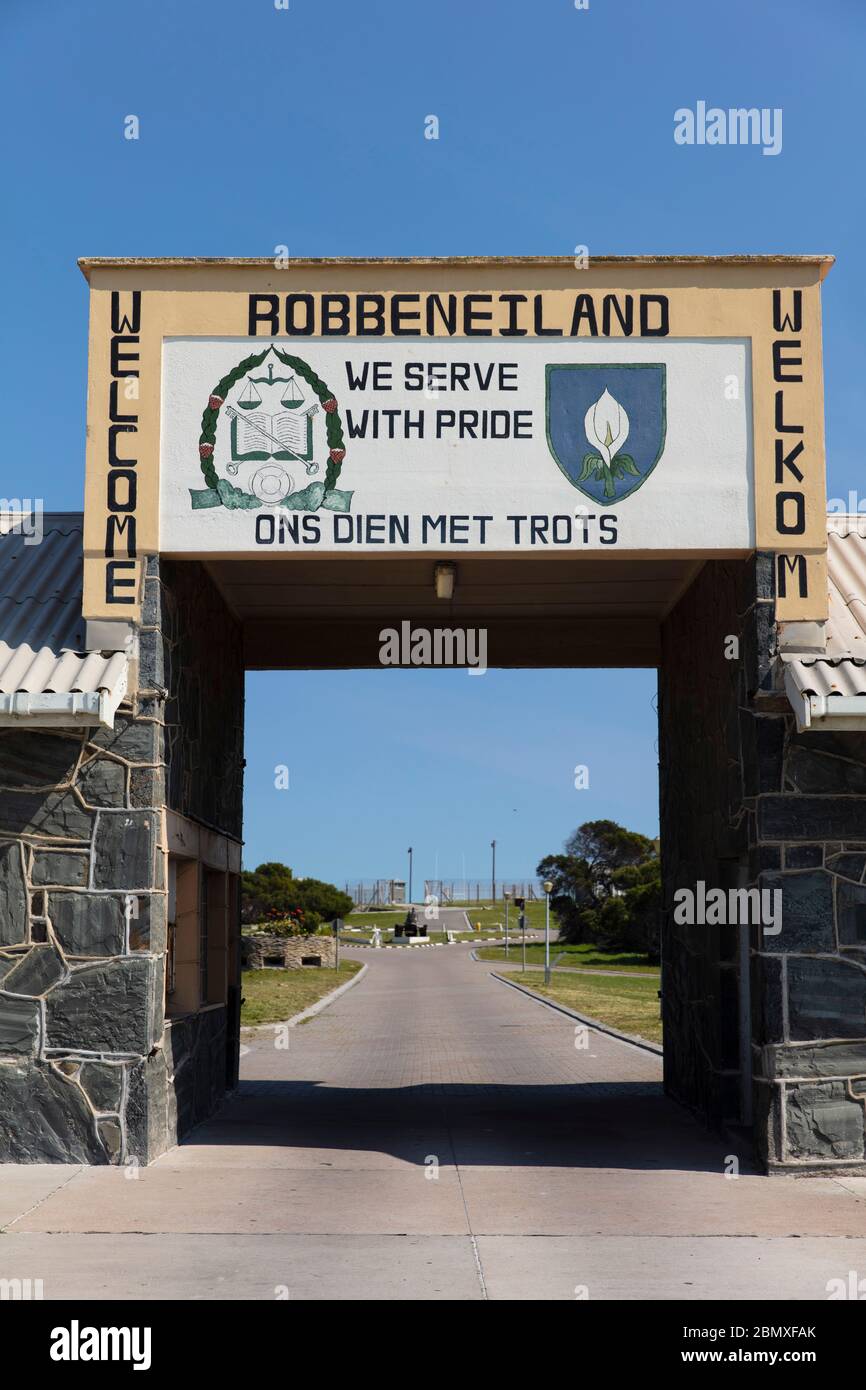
(631, 1005)
(488, 911)
(490, 915)
(272, 996)
(374, 919)
(585, 956)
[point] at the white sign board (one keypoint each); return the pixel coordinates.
(517, 445)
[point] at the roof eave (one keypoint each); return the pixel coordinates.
(73, 709)
(88, 263)
(827, 712)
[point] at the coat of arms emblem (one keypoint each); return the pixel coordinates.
(274, 425)
(593, 411)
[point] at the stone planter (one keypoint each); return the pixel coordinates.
(266, 950)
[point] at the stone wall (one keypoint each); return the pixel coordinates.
(703, 831)
(89, 1070)
(82, 932)
(192, 651)
(810, 982)
(192, 646)
(747, 800)
(264, 949)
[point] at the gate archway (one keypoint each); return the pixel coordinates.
(606, 463)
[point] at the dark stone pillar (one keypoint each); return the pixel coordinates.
(81, 870)
(89, 1071)
(810, 1021)
(192, 661)
(704, 834)
(747, 801)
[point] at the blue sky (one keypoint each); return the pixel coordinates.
(556, 129)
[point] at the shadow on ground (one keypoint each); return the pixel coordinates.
(626, 1125)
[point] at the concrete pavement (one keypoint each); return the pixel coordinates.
(435, 1135)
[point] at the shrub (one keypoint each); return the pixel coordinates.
(272, 888)
(293, 923)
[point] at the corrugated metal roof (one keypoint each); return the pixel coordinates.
(826, 678)
(842, 672)
(43, 672)
(41, 585)
(46, 675)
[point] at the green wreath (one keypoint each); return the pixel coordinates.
(220, 491)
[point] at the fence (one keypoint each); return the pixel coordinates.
(386, 892)
(377, 892)
(475, 890)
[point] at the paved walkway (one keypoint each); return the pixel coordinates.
(436, 1135)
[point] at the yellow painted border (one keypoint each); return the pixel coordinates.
(724, 297)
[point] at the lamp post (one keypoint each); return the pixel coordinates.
(507, 896)
(493, 871)
(548, 889)
(520, 904)
(410, 875)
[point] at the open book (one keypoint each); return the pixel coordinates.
(287, 434)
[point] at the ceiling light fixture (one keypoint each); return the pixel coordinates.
(445, 577)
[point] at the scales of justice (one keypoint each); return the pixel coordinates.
(272, 423)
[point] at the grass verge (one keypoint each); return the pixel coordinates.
(385, 920)
(485, 912)
(272, 996)
(584, 956)
(631, 1005)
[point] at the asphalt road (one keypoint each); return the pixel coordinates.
(436, 1135)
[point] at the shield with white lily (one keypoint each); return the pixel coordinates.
(606, 425)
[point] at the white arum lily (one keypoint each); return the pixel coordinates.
(606, 425)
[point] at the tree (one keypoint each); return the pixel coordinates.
(640, 886)
(606, 887)
(572, 893)
(271, 888)
(607, 847)
(323, 898)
